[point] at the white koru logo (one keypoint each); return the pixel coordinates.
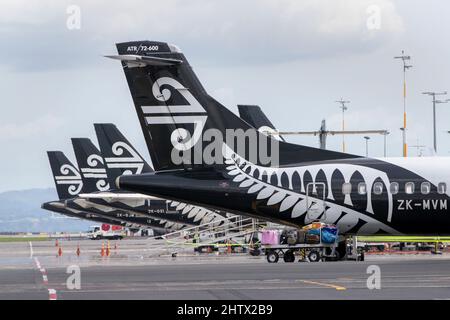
(96, 173)
(71, 177)
(120, 161)
(181, 138)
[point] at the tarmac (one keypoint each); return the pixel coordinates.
(133, 270)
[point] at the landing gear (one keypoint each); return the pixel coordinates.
(354, 251)
(341, 250)
(361, 255)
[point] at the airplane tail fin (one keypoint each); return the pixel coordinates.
(119, 154)
(91, 164)
(257, 118)
(66, 176)
(177, 115)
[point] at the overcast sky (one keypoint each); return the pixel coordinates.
(294, 58)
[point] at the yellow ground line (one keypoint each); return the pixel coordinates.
(329, 285)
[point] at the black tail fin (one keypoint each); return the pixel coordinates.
(256, 118)
(67, 177)
(91, 164)
(175, 110)
(119, 154)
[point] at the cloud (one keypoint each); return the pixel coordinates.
(231, 31)
(34, 128)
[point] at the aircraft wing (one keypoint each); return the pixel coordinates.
(115, 196)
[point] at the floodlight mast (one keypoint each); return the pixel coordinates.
(404, 58)
(434, 94)
(343, 106)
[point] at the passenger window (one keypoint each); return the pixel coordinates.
(442, 188)
(378, 188)
(362, 189)
(393, 188)
(346, 188)
(409, 187)
(425, 187)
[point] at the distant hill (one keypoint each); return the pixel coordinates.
(20, 211)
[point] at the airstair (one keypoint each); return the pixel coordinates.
(234, 231)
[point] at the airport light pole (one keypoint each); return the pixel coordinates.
(434, 94)
(404, 58)
(367, 145)
(342, 103)
(443, 101)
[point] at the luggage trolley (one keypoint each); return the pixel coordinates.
(309, 252)
(314, 252)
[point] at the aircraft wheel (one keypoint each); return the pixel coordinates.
(341, 250)
(314, 256)
(338, 256)
(272, 257)
(361, 256)
(289, 256)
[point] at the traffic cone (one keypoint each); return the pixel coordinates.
(78, 250)
(60, 252)
(107, 249)
(102, 252)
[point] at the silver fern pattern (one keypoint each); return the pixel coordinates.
(198, 214)
(257, 180)
(107, 209)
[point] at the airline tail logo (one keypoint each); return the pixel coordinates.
(247, 142)
(71, 177)
(96, 173)
(192, 113)
(121, 161)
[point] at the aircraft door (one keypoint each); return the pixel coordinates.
(315, 201)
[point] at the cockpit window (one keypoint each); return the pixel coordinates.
(409, 187)
(442, 188)
(377, 188)
(362, 189)
(425, 187)
(393, 188)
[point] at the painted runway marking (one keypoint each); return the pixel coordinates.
(31, 249)
(52, 294)
(329, 285)
(38, 264)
